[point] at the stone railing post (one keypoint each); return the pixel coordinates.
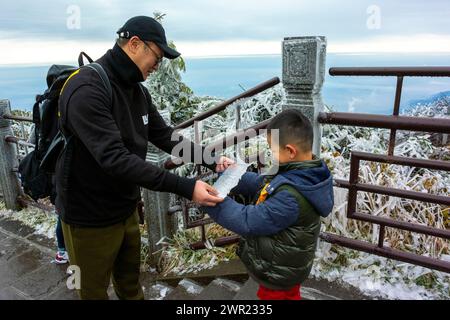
(156, 204)
(9, 182)
(303, 76)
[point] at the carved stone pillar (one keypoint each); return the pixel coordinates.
(303, 76)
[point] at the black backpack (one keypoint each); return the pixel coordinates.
(37, 168)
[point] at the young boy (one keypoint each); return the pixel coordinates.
(281, 229)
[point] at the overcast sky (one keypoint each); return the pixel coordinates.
(43, 31)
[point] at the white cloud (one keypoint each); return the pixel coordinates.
(228, 48)
(420, 43)
(48, 51)
(219, 28)
(427, 43)
(27, 51)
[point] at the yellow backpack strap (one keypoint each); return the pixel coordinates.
(67, 80)
(263, 195)
(64, 85)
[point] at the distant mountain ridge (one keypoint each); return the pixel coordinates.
(438, 97)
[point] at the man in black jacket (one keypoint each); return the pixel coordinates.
(100, 172)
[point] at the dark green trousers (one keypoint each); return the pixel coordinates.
(104, 252)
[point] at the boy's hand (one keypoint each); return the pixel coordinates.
(205, 195)
(223, 164)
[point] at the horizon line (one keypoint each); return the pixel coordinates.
(236, 56)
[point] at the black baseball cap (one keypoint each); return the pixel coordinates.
(148, 29)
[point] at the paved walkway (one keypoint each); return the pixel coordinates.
(27, 272)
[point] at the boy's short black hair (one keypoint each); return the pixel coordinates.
(293, 128)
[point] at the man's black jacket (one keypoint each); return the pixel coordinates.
(99, 175)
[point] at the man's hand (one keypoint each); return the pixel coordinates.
(223, 164)
(205, 195)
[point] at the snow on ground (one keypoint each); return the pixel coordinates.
(43, 223)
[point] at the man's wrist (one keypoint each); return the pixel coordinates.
(185, 187)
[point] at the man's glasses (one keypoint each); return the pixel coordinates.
(158, 58)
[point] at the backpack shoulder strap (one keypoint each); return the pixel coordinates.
(67, 80)
(102, 73)
(304, 204)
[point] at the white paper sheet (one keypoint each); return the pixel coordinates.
(230, 178)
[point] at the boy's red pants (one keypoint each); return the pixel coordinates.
(269, 294)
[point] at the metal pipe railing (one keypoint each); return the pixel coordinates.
(223, 241)
(408, 226)
(386, 252)
(413, 162)
(439, 125)
(412, 195)
(392, 71)
(18, 141)
(249, 93)
(223, 143)
(406, 194)
(17, 118)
